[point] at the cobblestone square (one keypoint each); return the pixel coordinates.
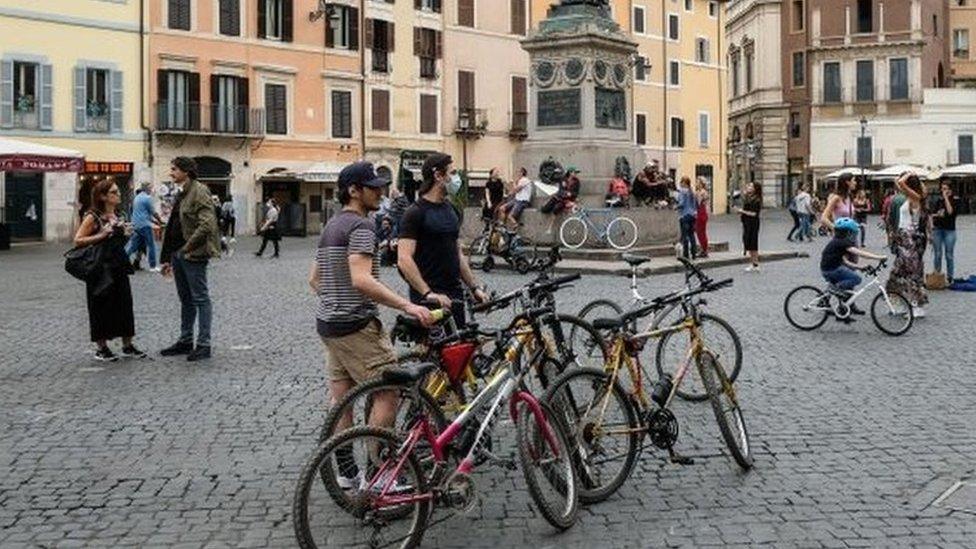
(856, 433)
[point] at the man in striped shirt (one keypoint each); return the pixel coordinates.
(345, 276)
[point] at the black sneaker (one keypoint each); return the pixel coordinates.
(856, 310)
(201, 352)
(105, 355)
(130, 351)
(178, 348)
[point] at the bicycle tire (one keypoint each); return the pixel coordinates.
(479, 246)
(688, 390)
(722, 395)
(570, 227)
(593, 343)
(528, 450)
(311, 469)
(795, 322)
(627, 228)
(607, 309)
(892, 296)
(562, 400)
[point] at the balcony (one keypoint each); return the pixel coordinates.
(381, 61)
(428, 67)
(519, 128)
(208, 119)
(97, 117)
(471, 123)
(851, 157)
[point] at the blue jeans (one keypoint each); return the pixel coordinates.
(944, 240)
(191, 285)
(805, 230)
(142, 239)
(843, 278)
(688, 245)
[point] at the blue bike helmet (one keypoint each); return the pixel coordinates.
(846, 224)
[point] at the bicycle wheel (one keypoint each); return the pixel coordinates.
(600, 308)
(893, 316)
(806, 307)
(719, 337)
(548, 466)
(603, 427)
(622, 233)
(362, 519)
(573, 232)
(582, 345)
(479, 246)
(728, 414)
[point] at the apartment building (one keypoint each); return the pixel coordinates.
(69, 78)
(962, 25)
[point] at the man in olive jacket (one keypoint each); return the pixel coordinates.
(190, 240)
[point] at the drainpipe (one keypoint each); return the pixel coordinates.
(148, 154)
(362, 80)
(667, 81)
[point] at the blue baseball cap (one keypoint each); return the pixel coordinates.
(362, 174)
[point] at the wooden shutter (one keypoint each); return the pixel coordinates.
(369, 34)
(465, 89)
(263, 19)
(519, 95)
(215, 106)
(287, 20)
(438, 44)
(179, 14)
(417, 4)
(243, 102)
(437, 6)
(46, 86)
(81, 99)
(518, 16)
(381, 110)
(428, 113)
(193, 106)
(353, 14)
(6, 93)
(390, 36)
(465, 13)
(418, 43)
(341, 114)
(230, 17)
(641, 129)
(115, 101)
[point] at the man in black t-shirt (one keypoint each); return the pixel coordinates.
(428, 253)
(945, 208)
(494, 194)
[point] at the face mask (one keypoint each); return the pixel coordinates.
(453, 185)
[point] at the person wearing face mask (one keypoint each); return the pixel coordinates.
(429, 254)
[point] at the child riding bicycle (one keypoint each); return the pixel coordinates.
(836, 263)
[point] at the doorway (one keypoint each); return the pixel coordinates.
(25, 205)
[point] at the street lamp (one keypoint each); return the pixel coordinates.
(464, 124)
(862, 162)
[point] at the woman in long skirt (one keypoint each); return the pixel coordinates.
(908, 225)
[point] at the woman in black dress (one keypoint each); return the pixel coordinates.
(749, 213)
(108, 292)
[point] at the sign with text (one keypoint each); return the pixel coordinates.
(108, 167)
(32, 163)
(559, 108)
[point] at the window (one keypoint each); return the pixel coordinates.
(380, 110)
(519, 17)
(179, 14)
(640, 69)
(674, 73)
(865, 17)
(735, 73)
(520, 104)
(935, 25)
(178, 96)
(639, 20)
(794, 125)
(229, 103)
(960, 43)
(898, 79)
(713, 9)
(271, 19)
(230, 17)
(965, 149)
(798, 15)
(26, 96)
(466, 83)
(341, 114)
(749, 59)
(380, 38)
(865, 80)
(640, 129)
(673, 28)
(342, 30)
(276, 108)
(97, 100)
(864, 157)
(689, 5)
(428, 113)
(677, 132)
(428, 46)
(702, 50)
(799, 68)
(831, 82)
(435, 5)
(465, 13)
(703, 129)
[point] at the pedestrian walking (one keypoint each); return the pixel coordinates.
(840, 203)
(429, 253)
(687, 211)
(143, 216)
(804, 210)
(269, 229)
(944, 229)
(701, 217)
(229, 218)
(191, 238)
(345, 277)
(862, 206)
(108, 293)
(795, 214)
(749, 215)
(908, 222)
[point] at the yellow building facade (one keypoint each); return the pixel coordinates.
(962, 26)
(70, 78)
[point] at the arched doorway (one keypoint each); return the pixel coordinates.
(216, 174)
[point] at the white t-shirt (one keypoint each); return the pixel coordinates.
(524, 187)
(803, 202)
(272, 215)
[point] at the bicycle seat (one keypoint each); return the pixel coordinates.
(635, 259)
(408, 374)
(608, 323)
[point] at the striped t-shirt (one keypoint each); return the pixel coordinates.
(342, 308)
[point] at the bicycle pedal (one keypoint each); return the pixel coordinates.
(682, 460)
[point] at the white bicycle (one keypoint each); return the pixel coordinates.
(609, 228)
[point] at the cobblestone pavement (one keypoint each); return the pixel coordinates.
(856, 434)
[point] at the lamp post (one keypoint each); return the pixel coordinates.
(464, 124)
(864, 129)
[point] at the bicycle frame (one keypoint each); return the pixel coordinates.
(586, 215)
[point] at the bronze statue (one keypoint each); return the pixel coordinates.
(597, 3)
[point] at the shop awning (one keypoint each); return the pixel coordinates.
(26, 156)
(322, 172)
(894, 172)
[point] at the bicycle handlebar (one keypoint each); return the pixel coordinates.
(533, 288)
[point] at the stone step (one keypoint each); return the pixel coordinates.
(610, 254)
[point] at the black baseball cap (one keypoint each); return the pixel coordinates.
(436, 161)
(362, 174)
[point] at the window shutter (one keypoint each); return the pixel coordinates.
(518, 16)
(243, 102)
(466, 89)
(418, 38)
(428, 113)
(369, 38)
(390, 36)
(519, 104)
(438, 44)
(417, 4)
(179, 14)
(641, 129)
(230, 17)
(6, 93)
(116, 100)
(287, 20)
(263, 19)
(437, 6)
(193, 108)
(465, 13)
(381, 110)
(47, 96)
(81, 99)
(353, 28)
(215, 106)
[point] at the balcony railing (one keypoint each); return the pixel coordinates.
(471, 122)
(26, 118)
(851, 158)
(519, 128)
(210, 119)
(381, 61)
(428, 67)
(960, 53)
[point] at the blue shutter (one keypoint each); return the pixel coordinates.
(47, 97)
(81, 99)
(115, 100)
(6, 93)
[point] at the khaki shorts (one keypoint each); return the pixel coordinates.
(359, 355)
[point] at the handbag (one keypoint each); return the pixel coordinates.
(83, 262)
(935, 281)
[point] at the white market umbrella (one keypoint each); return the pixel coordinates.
(851, 170)
(893, 172)
(960, 171)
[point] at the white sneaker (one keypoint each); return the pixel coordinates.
(156, 269)
(349, 483)
(752, 269)
(381, 483)
(918, 312)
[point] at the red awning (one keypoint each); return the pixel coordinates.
(26, 156)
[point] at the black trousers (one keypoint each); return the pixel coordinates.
(264, 242)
